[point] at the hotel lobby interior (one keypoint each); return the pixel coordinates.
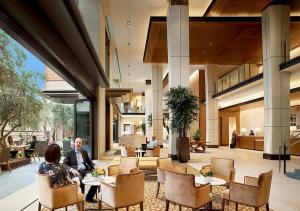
(118, 61)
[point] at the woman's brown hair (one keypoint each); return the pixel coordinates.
(53, 154)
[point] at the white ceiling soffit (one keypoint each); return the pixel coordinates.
(134, 72)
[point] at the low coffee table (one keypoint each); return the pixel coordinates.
(139, 152)
(213, 181)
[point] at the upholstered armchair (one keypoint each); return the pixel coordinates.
(4, 158)
(253, 192)
(222, 168)
(55, 198)
(127, 165)
(181, 189)
(155, 152)
(127, 151)
(164, 164)
(128, 191)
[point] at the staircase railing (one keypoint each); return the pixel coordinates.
(282, 153)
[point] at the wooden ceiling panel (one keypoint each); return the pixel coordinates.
(232, 40)
(244, 8)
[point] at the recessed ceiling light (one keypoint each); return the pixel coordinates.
(128, 23)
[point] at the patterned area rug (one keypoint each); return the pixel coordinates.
(158, 204)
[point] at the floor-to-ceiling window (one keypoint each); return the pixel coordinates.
(83, 123)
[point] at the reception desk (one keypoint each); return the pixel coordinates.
(250, 142)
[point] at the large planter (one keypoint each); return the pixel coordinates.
(183, 149)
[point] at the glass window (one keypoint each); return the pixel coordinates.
(219, 85)
(234, 77)
(83, 124)
(226, 82)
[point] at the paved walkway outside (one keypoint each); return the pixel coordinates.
(18, 178)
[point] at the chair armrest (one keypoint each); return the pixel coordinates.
(113, 170)
(108, 193)
(161, 175)
(202, 194)
(243, 193)
(63, 195)
(180, 169)
(250, 180)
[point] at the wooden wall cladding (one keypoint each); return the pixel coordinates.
(250, 142)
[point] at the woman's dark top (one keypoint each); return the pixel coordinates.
(58, 173)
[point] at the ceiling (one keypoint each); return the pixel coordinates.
(134, 71)
(240, 43)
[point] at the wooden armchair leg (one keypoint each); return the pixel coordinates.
(180, 207)
(8, 166)
(158, 186)
(66, 208)
(0, 171)
(127, 208)
(256, 208)
(40, 207)
(236, 206)
(210, 206)
(99, 205)
(223, 204)
(267, 207)
(167, 205)
(142, 206)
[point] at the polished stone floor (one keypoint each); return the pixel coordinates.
(284, 195)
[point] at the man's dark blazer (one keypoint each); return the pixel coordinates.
(71, 161)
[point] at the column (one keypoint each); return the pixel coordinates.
(178, 53)
(275, 31)
(212, 111)
(101, 121)
(157, 102)
(148, 108)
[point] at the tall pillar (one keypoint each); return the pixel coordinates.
(157, 102)
(178, 53)
(101, 121)
(212, 111)
(275, 31)
(148, 108)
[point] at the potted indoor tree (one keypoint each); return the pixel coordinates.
(183, 105)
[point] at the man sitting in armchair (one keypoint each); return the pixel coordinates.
(78, 164)
(152, 143)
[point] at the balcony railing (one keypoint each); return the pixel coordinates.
(292, 45)
(242, 73)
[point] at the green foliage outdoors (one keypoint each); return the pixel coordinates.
(57, 116)
(183, 105)
(20, 104)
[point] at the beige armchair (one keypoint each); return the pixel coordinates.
(253, 192)
(127, 165)
(222, 168)
(164, 164)
(36, 151)
(127, 151)
(155, 152)
(181, 189)
(128, 191)
(4, 158)
(55, 198)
